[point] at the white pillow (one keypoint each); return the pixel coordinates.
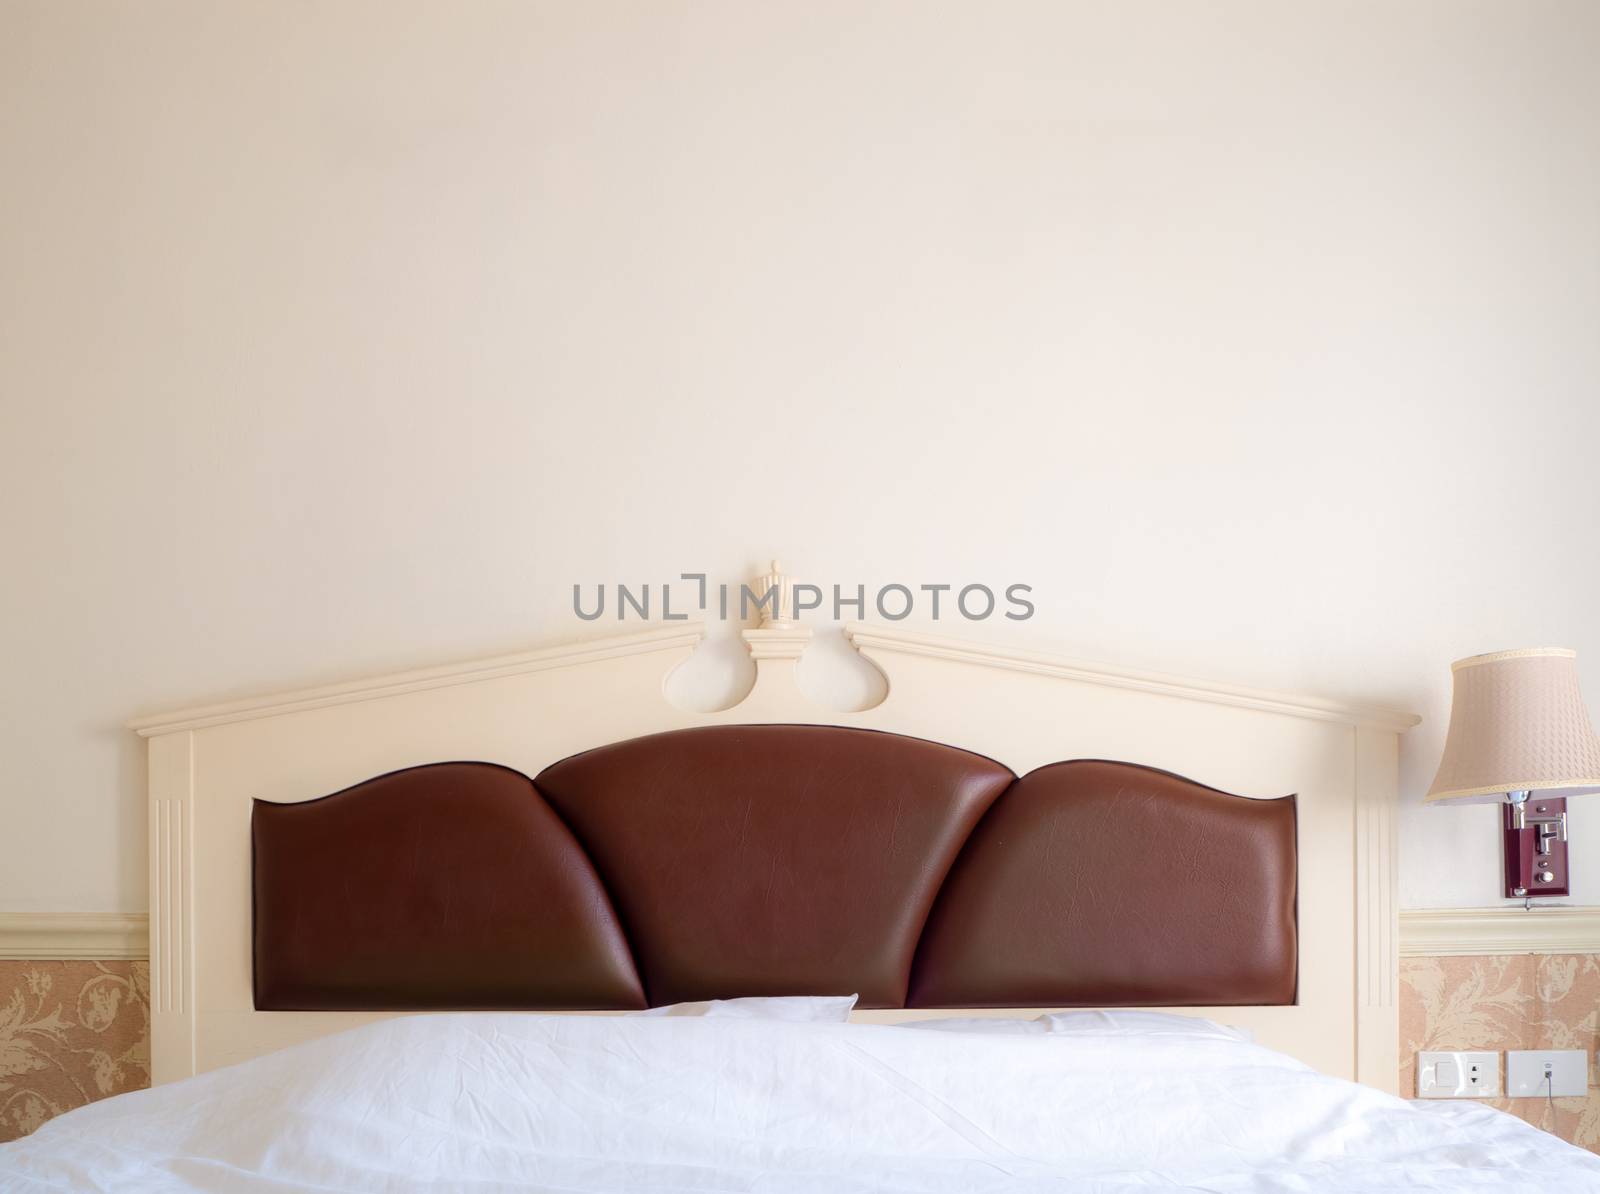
(1096, 1023)
(1141, 1023)
(828, 1008)
(988, 1025)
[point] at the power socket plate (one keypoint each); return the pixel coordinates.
(1568, 1071)
(1458, 1075)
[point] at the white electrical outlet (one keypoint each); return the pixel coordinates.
(1546, 1073)
(1443, 1075)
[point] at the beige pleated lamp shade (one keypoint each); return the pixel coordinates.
(1518, 723)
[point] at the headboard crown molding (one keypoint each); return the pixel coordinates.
(871, 639)
(194, 717)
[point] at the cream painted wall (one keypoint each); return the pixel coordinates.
(1259, 338)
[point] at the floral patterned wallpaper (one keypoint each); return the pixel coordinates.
(70, 1033)
(1523, 1001)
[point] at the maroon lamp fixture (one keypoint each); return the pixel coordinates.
(1520, 736)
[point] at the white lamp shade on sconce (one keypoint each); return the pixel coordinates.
(1517, 724)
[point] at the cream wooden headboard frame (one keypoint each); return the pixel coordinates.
(528, 710)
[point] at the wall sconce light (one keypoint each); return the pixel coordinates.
(1520, 736)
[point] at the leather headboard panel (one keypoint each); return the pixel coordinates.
(1105, 884)
(774, 859)
(447, 886)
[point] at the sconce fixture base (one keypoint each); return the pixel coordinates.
(1535, 834)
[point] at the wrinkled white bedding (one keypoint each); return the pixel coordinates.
(497, 1102)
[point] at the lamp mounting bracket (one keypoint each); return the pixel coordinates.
(1535, 835)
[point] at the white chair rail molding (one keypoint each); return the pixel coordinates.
(1462, 932)
(46, 936)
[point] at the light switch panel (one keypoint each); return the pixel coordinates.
(1546, 1073)
(1447, 1075)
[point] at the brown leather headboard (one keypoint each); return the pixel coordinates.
(774, 860)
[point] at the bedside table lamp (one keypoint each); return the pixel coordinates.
(1520, 735)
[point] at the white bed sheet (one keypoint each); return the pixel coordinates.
(580, 1104)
